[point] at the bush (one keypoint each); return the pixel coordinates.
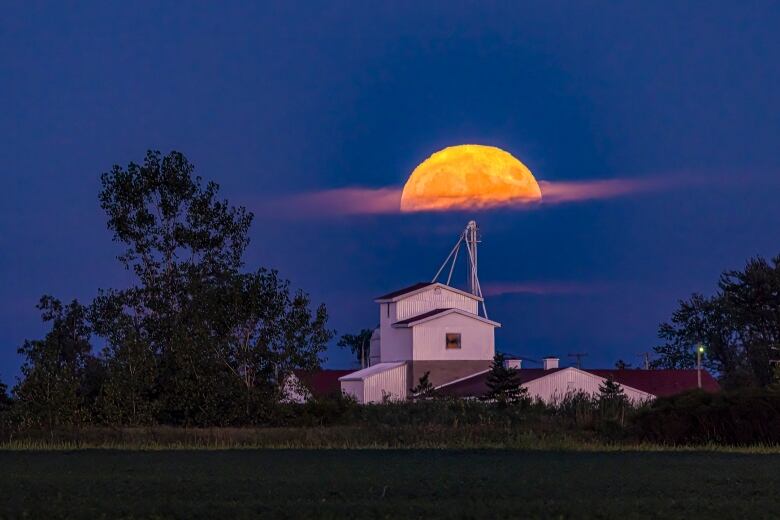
(744, 417)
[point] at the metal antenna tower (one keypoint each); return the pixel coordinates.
(579, 356)
(470, 238)
(471, 246)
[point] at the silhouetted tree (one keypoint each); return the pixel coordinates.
(622, 365)
(5, 399)
(180, 239)
(193, 340)
(611, 391)
(359, 344)
(612, 401)
(739, 326)
(504, 383)
(128, 393)
(424, 388)
(263, 331)
(56, 386)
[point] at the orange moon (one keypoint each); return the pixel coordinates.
(468, 176)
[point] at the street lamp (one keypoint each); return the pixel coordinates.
(699, 352)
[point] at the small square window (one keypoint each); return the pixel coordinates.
(453, 340)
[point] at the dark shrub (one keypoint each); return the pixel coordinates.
(744, 417)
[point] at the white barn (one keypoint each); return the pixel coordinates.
(552, 384)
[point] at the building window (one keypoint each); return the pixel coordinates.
(453, 340)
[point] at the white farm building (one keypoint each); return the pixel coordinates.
(427, 327)
(436, 329)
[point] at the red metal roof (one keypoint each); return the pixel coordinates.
(660, 382)
(656, 382)
(322, 383)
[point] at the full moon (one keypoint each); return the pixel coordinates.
(468, 176)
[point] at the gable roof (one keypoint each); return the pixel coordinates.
(322, 383)
(405, 290)
(420, 287)
(659, 383)
(370, 371)
(438, 313)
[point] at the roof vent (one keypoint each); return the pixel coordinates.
(550, 363)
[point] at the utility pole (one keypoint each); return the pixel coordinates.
(646, 359)
(363, 353)
(579, 356)
(699, 352)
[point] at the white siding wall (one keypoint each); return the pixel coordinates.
(354, 389)
(555, 386)
(476, 337)
(386, 314)
(374, 388)
(396, 345)
(390, 382)
(434, 298)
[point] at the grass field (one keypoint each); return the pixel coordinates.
(387, 484)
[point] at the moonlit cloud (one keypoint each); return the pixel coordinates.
(387, 200)
(341, 201)
(541, 288)
(559, 192)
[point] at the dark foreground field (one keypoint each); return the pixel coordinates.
(387, 484)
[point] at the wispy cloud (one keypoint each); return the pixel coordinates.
(558, 192)
(387, 200)
(542, 288)
(341, 201)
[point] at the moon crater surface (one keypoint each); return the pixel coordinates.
(469, 176)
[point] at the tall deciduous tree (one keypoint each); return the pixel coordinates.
(57, 386)
(739, 327)
(180, 239)
(128, 393)
(263, 331)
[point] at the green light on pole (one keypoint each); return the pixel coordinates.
(699, 352)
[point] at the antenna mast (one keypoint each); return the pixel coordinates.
(579, 356)
(470, 237)
(471, 244)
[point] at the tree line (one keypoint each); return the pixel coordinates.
(194, 339)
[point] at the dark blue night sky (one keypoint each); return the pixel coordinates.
(275, 100)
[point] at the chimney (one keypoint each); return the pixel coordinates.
(513, 363)
(550, 363)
